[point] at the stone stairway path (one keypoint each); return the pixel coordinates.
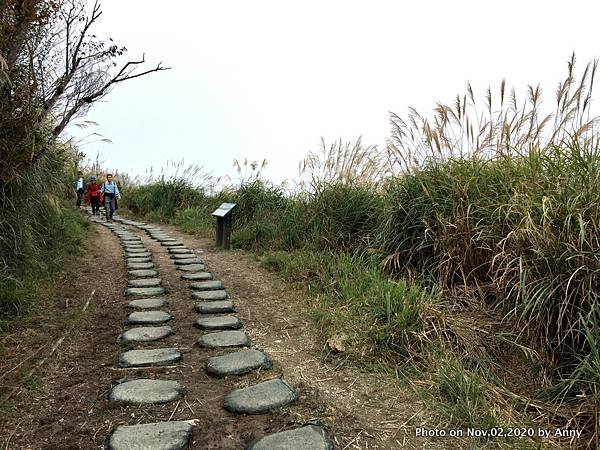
(223, 332)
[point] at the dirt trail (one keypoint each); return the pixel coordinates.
(66, 405)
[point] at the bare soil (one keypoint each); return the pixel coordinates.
(57, 397)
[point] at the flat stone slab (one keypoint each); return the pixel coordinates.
(189, 255)
(187, 261)
(131, 239)
(260, 398)
(151, 291)
(219, 323)
(146, 391)
(192, 268)
(134, 246)
(147, 303)
(139, 259)
(136, 265)
(143, 273)
(136, 249)
(210, 295)
(153, 357)
(197, 276)
(165, 238)
(237, 363)
(144, 282)
(211, 285)
(310, 437)
(151, 436)
(224, 306)
(141, 254)
(171, 244)
(220, 339)
(145, 334)
(180, 251)
(148, 317)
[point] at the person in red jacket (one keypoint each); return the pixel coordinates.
(93, 191)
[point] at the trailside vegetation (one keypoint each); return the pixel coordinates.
(52, 69)
(465, 254)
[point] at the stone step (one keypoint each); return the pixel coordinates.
(172, 244)
(146, 265)
(179, 251)
(211, 285)
(150, 291)
(219, 323)
(145, 391)
(151, 436)
(221, 339)
(138, 259)
(147, 303)
(145, 334)
(133, 245)
(144, 282)
(136, 249)
(131, 239)
(153, 357)
(309, 437)
(188, 261)
(237, 363)
(148, 317)
(260, 398)
(215, 307)
(192, 268)
(165, 238)
(143, 273)
(183, 255)
(197, 276)
(210, 295)
(144, 254)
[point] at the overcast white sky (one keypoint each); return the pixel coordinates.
(268, 79)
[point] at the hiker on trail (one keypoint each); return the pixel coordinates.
(93, 191)
(79, 187)
(111, 193)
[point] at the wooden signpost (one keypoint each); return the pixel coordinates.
(223, 215)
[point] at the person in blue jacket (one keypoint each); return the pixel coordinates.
(111, 193)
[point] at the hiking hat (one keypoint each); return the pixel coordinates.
(93, 178)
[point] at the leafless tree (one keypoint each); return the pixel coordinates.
(52, 69)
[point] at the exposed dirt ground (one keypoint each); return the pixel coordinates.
(63, 403)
